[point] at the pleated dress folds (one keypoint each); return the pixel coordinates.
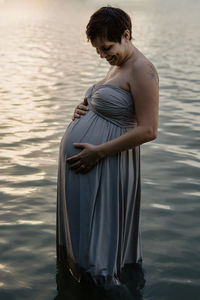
(97, 220)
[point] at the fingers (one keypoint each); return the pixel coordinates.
(78, 113)
(75, 116)
(79, 145)
(80, 110)
(82, 107)
(76, 165)
(72, 159)
(79, 168)
(85, 102)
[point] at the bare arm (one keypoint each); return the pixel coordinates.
(145, 90)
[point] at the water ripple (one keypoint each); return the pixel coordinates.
(46, 66)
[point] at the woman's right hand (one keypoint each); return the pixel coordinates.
(80, 109)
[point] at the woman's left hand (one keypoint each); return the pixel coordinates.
(86, 159)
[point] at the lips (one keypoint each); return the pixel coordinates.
(109, 60)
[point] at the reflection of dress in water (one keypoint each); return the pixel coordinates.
(98, 212)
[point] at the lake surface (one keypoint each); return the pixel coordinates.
(46, 66)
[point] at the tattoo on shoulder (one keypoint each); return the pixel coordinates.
(152, 72)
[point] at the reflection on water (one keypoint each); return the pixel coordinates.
(132, 279)
(46, 66)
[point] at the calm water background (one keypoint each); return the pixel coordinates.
(46, 66)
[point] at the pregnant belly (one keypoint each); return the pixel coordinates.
(91, 129)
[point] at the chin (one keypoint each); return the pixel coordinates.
(113, 62)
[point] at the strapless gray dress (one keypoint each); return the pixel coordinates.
(97, 220)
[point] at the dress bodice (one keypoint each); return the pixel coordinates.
(112, 103)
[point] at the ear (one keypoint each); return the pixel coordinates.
(126, 34)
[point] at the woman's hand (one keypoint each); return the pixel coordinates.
(86, 159)
(80, 109)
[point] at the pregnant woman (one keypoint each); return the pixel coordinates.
(98, 187)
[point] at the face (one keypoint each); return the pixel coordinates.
(113, 52)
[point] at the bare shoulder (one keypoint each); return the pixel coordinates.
(143, 71)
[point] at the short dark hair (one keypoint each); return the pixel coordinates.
(109, 23)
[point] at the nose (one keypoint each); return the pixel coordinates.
(101, 53)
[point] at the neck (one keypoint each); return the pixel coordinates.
(130, 53)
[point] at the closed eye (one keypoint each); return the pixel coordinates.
(106, 49)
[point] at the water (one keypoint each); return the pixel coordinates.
(46, 66)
